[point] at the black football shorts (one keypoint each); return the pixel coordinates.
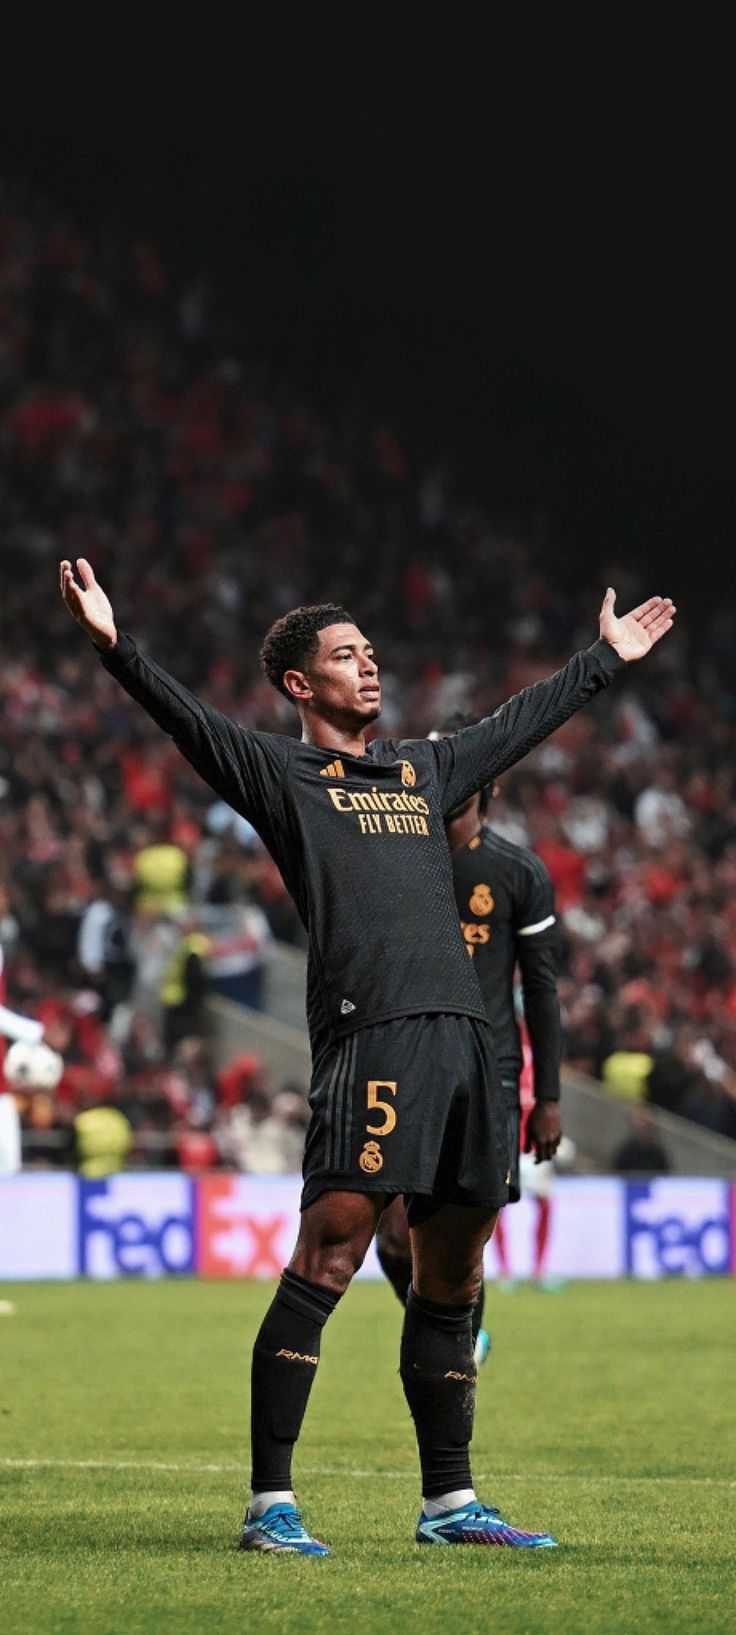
(410, 1106)
(510, 1091)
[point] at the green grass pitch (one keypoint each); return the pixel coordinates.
(605, 1413)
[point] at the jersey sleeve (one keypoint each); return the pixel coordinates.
(535, 911)
(476, 755)
(536, 945)
(247, 769)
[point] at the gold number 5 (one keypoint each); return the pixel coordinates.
(374, 1085)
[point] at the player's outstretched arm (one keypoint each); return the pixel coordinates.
(472, 758)
(244, 768)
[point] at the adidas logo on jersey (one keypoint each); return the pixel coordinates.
(346, 1007)
(334, 770)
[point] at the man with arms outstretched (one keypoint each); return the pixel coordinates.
(404, 1095)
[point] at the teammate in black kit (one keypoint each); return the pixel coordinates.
(405, 1094)
(505, 901)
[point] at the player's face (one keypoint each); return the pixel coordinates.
(343, 675)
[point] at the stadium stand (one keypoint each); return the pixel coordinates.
(210, 499)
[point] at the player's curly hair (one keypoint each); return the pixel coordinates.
(292, 641)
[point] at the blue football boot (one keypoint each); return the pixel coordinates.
(483, 1344)
(477, 1523)
(280, 1528)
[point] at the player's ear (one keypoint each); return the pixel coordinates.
(297, 686)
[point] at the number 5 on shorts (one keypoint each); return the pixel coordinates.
(374, 1102)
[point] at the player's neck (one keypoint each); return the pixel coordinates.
(461, 830)
(322, 734)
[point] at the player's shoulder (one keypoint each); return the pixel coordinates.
(383, 750)
(277, 745)
(269, 755)
(414, 752)
(517, 859)
(390, 748)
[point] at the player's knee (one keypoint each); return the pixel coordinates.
(450, 1285)
(393, 1245)
(330, 1265)
(464, 1290)
(472, 1286)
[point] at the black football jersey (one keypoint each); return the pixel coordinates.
(506, 904)
(360, 840)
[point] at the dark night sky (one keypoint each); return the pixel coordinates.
(518, 235)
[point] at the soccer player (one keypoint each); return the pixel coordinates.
(536, 1181)
(13, 1026)
(505, 900)
(404, 1094)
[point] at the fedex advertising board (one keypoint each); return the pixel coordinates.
(38, 1226)
(678, 1228)
(586, 1231)
(136, 1226)
(242, 1226)
(247, 1226)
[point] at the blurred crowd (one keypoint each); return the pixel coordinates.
(209, 498)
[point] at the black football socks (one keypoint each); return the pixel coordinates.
(285, 1358)
(438, 1375)
(397, 1269)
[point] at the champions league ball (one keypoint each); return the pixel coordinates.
(32, 1067)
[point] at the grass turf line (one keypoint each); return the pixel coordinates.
(608, 1409)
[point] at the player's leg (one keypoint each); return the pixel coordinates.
(538, 1182)
(438, 1373)
(541, 1235)
(438, 1369)
(393, 1247)
(499, 1244)
(333, 1238)
(505, 1283)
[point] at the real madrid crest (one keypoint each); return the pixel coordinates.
(371, 1158)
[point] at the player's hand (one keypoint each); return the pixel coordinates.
(88, 603)
(635, 634)
(543, 1130)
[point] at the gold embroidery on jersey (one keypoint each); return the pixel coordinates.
(482, 900)
(408, 775)
(377, 800)
(476, 936)
(334, 770)
(371, 1158)
(384, 812)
